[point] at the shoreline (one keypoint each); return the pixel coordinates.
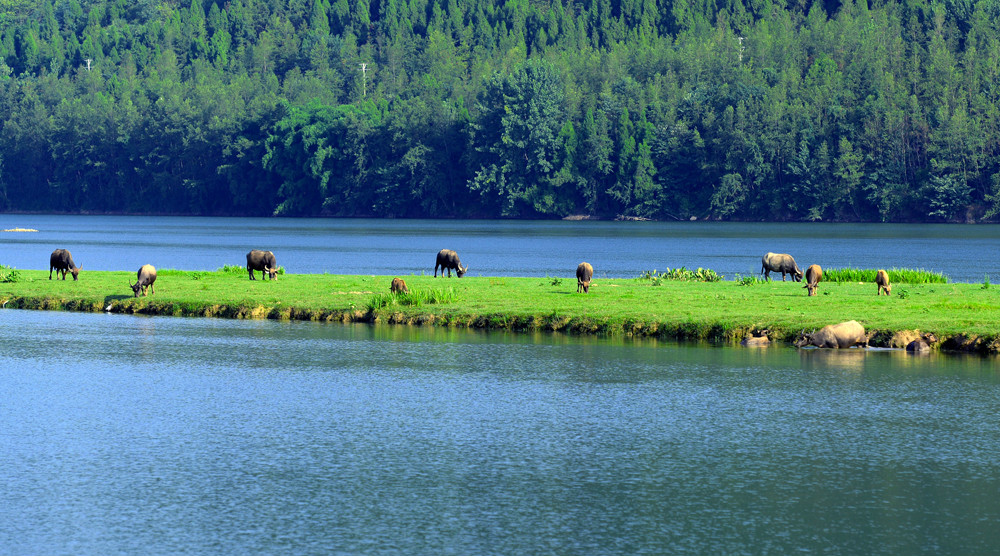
(963, 317)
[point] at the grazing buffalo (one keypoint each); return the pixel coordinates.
(813, 275)
(448, 260)
(780, 262)
(843, 335)
(62, 261)
(584, 273)
(882, 281)
(262, 261)
(146, 276)
(398, 286)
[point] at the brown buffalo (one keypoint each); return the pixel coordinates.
(584, 274)
(922, 344)
(448, 260)
(882, 281)
(843, 335)
(398, 286)
(145, 276)
(813, 275)
(62, 261)
(262, 261)
(780, 262)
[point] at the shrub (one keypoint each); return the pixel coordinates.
(9, 274)
(751, 280)
(233, 269)
(682, 273)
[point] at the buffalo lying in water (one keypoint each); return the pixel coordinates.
(584, 274)
(843, 335)
(448, 260)
(62, 261)
(882, 281)
(398, 286)
(780, 262)
(146, 276)
(264, 262)
(813, 275)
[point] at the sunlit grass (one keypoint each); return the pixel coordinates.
(722, 310)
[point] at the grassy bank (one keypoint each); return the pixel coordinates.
(963, 316)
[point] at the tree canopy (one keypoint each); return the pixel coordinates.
(733, 109)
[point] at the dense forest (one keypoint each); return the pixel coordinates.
(727, 109)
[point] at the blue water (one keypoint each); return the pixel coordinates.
(161, 435)
(495, 248)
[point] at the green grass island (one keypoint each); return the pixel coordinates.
(963, 316)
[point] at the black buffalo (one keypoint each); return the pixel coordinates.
(262, 261)
(448, 260)
(146, 276)
(62, 261)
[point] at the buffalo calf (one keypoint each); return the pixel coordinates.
(398, 286)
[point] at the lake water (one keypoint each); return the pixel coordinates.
(965, 253)
(162, 435)
(159, 435)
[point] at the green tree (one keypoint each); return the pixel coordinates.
(516, 138)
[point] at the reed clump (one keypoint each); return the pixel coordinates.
(417, 298)
(896, 275)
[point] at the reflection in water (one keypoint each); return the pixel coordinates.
(169, 435)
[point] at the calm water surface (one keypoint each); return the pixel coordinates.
(139, 435)
(495, 248)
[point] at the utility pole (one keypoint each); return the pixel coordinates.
(364, 78)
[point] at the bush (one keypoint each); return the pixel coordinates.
(9, 274)
(682, 273)
(233, 269)
(751, 280)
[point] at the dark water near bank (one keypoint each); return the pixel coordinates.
(495, 248)
(133, 435)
